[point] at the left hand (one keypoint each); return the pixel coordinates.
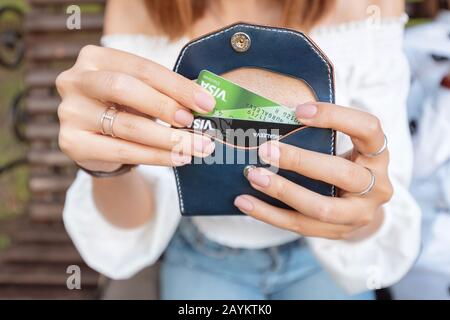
(346, 217)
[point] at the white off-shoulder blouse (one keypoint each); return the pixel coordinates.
(371, 74)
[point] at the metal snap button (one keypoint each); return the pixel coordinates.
(241, 42)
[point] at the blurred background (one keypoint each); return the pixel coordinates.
(35, 252)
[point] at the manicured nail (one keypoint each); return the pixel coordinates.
(183, 118)
(180, 159)
(269, 151)
(204, 101)
(255, 176)
(243, 204)
(204, 145)
(306, 111)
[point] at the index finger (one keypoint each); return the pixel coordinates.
(289, 219)
(181, 89)
(364, 129)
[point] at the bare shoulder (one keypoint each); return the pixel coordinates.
(354, 10)
(130, 17)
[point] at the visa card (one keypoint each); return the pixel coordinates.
(235, 102)
(242, 118)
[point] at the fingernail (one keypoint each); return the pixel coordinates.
(180, 159)
(255, 176)
(243, 204)
(204, 101)
(183, 118)
(306, 111)
(204, 145)
(269, 151)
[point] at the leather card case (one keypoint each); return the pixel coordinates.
(210, 189)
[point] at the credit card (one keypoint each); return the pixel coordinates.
(242, 133)
(235, 102)
(242, 118)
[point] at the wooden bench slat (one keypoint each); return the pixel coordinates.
(35, 264)
(41, 77)
(62, 2)
(50, 158)
(44, 213)
(45, 22)
(35, 131)
(39, 105)
(43, 276)
(50, 184)
(42, 235)
(55, 50)
(32, 253)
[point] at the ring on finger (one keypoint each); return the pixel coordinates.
(379, 152)
(110, 115)
(369, 188)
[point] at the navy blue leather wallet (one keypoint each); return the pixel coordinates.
(210, 189)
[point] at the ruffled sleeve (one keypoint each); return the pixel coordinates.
(115, 252)
(378, 82)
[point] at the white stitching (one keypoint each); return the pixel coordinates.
(333, 188)
(308, 41)
(180, 194)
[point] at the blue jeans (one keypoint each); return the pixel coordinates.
(196, 268)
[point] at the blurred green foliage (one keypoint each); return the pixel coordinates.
(21, 4)
(13, 185)
(4, 242)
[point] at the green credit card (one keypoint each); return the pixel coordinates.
(235, 102)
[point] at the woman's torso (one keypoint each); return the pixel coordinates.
(360, 51)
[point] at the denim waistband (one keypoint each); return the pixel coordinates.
(192, 235)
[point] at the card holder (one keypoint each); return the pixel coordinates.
(208, 187)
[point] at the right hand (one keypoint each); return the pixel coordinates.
(102, 77)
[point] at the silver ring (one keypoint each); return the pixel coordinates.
(109, 114)
(366, 191)
(379, 152)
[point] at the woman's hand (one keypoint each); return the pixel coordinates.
(315, 215)
(104, 77)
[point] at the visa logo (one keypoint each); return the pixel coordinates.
(202, 124)
(218, 93)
